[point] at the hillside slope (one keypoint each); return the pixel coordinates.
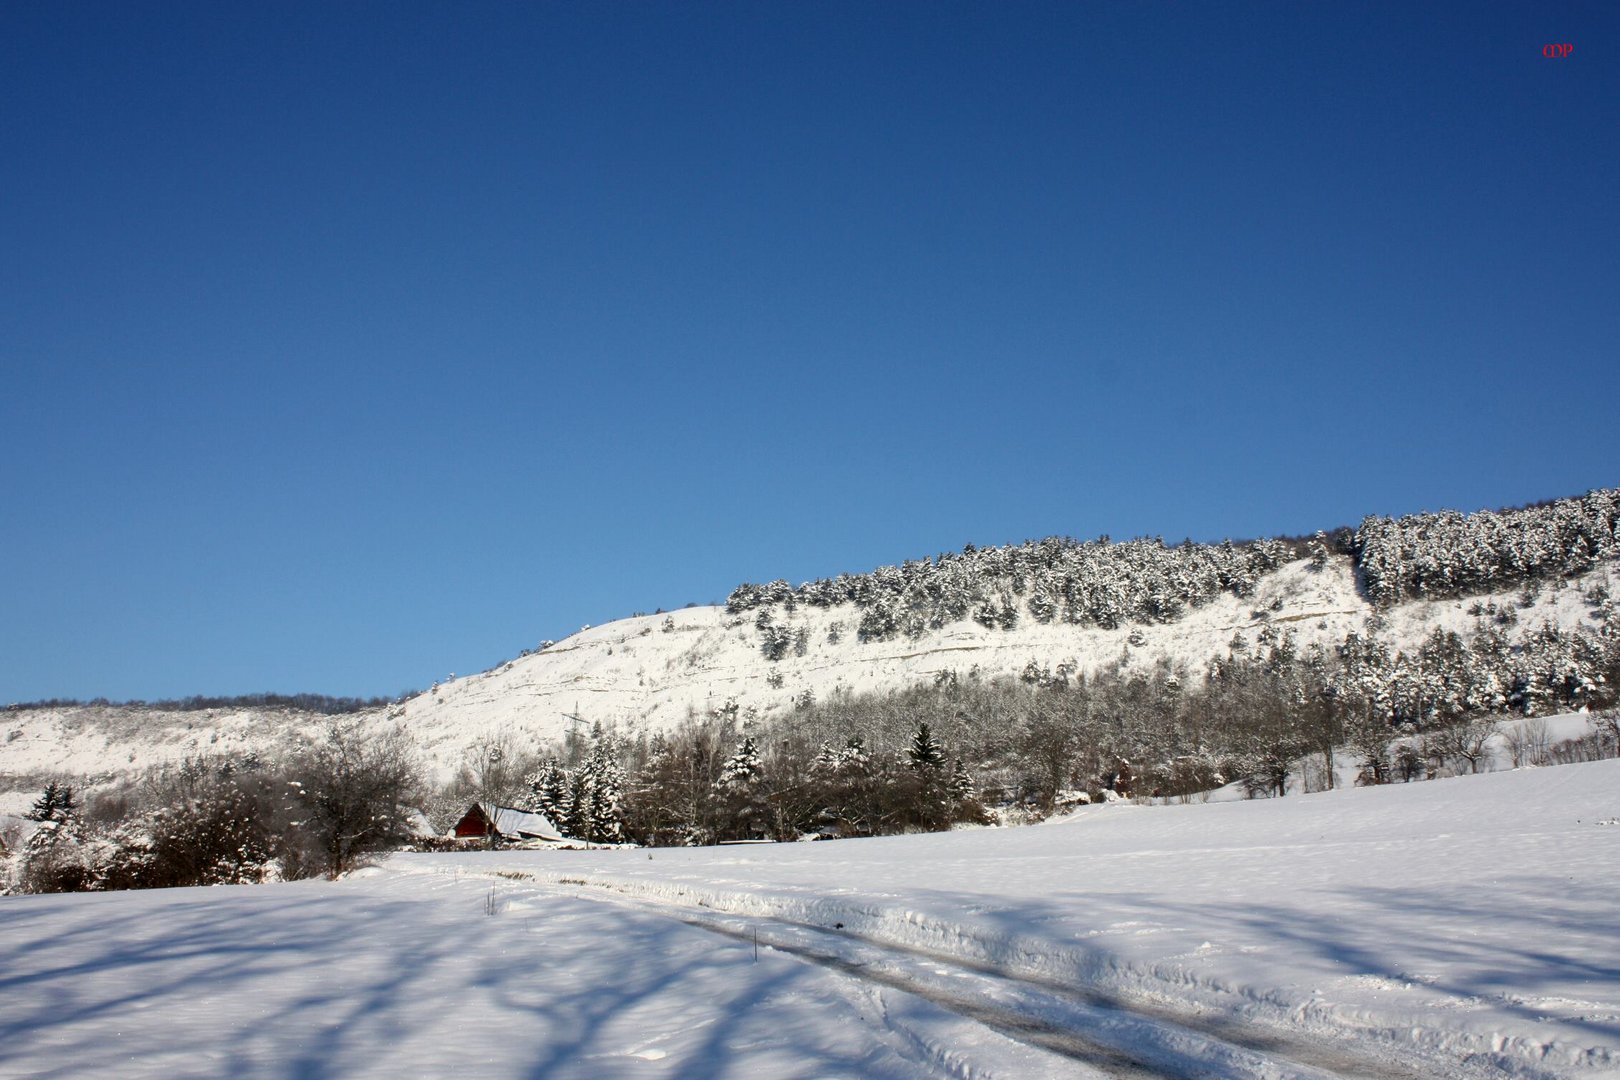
(651, 672)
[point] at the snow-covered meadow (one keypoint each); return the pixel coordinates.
(1460, 927)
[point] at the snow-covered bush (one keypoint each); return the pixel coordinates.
(200, 821)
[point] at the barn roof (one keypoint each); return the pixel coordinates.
(527, 824)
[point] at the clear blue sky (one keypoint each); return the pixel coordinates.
(343, 346)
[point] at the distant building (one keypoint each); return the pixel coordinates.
(482, 821)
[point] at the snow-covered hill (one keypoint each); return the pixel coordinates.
(651, 672)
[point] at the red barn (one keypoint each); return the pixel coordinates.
(483, 820)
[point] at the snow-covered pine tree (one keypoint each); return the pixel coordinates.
(825, 763)
(743, 767)
(740, 787)
(607, 797)
(1318, 551)
(924, 753)
(928, 796)
(548, 790)
(54, 859)
(851, 789)
(575, 813)
(56, 803)
(854, 759)
(963, 794)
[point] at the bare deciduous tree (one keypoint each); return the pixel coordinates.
(352, 786)
(1527, 742)
(1606, 724)
(1468, 742)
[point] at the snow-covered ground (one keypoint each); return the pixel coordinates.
(410, 978)
(1462, 927)
(651, 672)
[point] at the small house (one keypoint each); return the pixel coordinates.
(485, 821)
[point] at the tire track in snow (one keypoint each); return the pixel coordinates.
(1023, 1028)
(1123, 1039)
(1127, 1041)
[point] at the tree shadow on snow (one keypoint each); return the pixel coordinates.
(317, 982)
(1464, 945)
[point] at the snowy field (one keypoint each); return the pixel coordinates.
(1462, 927)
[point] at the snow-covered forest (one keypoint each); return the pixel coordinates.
(1098, 583)
(1452, 554)
(1095, 583)
(1268, 714)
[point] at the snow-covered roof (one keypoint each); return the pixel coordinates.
(512, 822)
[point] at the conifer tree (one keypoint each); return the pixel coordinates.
(740, 787)
(963, 794)
(606, 786)
(1319, 551)
(743, 767)
(575, 813)
(928, 782)
(55, 803)
(548, 790)
(54, 859)
(924, 752)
